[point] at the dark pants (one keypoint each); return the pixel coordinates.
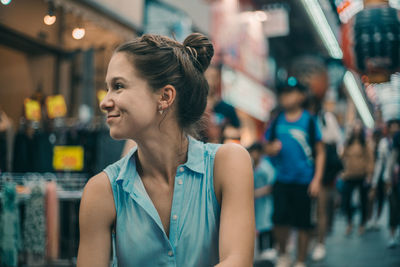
(348, 188)
(394, 206)
(265, 240)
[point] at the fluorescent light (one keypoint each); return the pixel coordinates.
(320, 22)
(358, 100)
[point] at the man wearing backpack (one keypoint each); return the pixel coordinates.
(294, 142)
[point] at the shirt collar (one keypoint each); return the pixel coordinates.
(127, 168)
(195, 160)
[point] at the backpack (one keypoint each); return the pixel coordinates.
(333, 164)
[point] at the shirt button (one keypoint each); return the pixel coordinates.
(175, 217)
(181, 169)
(170, 253)
(180, 181)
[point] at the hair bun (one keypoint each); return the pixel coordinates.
(203, 48)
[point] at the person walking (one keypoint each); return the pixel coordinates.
(294, 141)
(389, 153)
(358, 164)
(332, 138)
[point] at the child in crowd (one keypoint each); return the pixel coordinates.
(294, 140)
(264, 177)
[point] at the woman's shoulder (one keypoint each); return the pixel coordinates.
(97, 198)
(231, 156)
(98, 183)
(231, 150)
(232, 170)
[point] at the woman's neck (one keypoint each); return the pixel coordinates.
(161, 153)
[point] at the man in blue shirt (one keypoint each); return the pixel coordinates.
(294, 142)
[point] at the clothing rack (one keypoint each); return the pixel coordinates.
(69, 185)
(69, 193)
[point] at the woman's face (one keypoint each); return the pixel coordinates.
(130, 104)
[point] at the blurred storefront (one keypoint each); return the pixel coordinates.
(53, 61)
(54, 56)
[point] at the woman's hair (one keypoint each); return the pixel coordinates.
(354, 136)
(162, 61)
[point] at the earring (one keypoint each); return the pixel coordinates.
(160, 110)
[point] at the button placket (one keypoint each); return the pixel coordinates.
(176, 206)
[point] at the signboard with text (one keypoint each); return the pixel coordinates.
(68, 158)
(246, 94)
(56, 106)
(33, 111)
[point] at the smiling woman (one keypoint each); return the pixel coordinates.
(172, 200)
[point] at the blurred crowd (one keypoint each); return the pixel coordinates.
(307, 169)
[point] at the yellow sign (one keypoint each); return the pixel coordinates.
(56, 106)
(32, 110)
(101, 94)
(68, 158)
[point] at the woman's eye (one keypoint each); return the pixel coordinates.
(118, 86)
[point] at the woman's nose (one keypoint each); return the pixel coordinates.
(107, 103)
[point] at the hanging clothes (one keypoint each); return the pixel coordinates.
(10, 241)
(88, 140)
(33, 153)
(108, 150)
(52, 221)
(23, 149)
(42, 156)
(35, 222)
(3, 152)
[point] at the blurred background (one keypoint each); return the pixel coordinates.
(53, 61)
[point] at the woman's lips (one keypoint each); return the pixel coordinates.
(112, 117)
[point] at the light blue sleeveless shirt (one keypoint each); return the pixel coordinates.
(140, 239)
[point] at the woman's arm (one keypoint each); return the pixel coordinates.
(235, 190)
(319, 169)
(96, 217)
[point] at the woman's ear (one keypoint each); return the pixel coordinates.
(167, 96)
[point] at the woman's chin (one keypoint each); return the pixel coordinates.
(117, 135)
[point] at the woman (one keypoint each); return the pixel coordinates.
(172, 200)
(358, 168)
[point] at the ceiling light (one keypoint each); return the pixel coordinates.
(358, 100)
(50, 17)
(325, 32)
(5, 2)
(49, 20)
(78, 33)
